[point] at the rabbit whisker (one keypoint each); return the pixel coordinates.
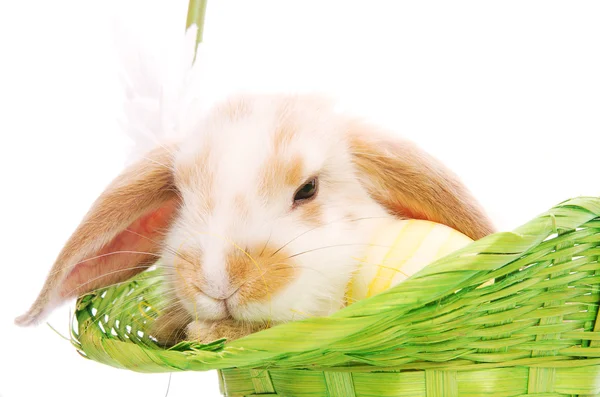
(324, 225)
(335, 246)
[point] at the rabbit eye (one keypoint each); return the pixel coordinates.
(307, 191)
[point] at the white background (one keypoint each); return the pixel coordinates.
(505, 93)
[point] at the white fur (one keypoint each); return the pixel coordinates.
(238, 150)
(165, 105)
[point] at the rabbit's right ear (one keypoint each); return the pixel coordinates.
(120, 236)
(409, 183)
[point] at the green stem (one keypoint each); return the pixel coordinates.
(196, 13)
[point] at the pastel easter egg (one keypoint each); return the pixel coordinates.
(399, 249)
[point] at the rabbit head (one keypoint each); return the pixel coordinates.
(259, 214)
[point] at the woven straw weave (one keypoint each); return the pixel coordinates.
(440, 333)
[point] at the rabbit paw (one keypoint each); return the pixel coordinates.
(209, 331)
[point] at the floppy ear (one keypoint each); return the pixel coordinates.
(119, 237)
(410, 183)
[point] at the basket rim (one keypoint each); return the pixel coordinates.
(336, 335)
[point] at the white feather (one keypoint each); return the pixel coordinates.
(161, 87)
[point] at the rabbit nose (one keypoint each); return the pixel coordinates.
(217, 293)
(220, 296)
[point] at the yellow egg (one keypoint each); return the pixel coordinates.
(399, 249)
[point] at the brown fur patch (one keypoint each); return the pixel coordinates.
(312, 212)
(206, 332)
(169, 327)
(409, 183)
(260, 275)
(142, 199)
(279, 172)
(295, 172)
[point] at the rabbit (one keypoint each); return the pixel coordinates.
(256, 217)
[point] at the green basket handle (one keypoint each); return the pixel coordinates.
(195, 16)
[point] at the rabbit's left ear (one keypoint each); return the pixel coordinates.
(410, 183)
(120, 236)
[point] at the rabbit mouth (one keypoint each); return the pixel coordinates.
(219, 307)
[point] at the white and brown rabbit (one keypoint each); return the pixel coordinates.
(257, 216)
(257, 213)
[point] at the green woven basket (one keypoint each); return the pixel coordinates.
(440, 333)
